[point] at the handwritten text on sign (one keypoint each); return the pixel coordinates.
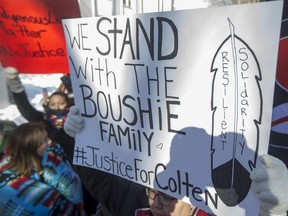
(32, 38)
(153, 90)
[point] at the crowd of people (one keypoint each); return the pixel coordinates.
(37, 176)
(56, 107)
(38, 158)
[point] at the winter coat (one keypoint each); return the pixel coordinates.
(57, 191)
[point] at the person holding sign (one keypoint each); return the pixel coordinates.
(55, 111)
(122, 197)
(35, 176)
(162, 204)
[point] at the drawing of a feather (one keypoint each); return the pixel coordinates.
(236, 103)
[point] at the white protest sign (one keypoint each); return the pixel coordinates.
(180, 101)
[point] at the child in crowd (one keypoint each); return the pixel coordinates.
(56, 108)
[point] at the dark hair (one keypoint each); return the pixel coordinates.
(60, 94)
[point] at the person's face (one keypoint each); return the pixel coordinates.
(57, 102)
(164, 205)
(43, 146)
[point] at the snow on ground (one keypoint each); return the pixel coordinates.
(34, 85)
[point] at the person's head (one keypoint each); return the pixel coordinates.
(58, 101)
(27, 145)
(164, 205)
(57, 109)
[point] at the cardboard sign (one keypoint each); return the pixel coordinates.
(180, 101)
(31, 34)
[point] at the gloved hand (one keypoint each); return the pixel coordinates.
(270, 185)
(74, 123)
(13, 80)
